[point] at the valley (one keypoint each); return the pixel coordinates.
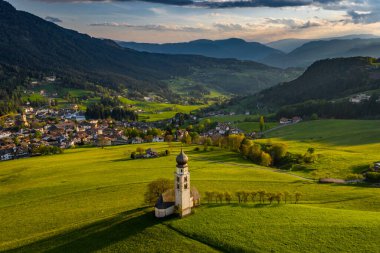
(164, 126)
(92, 199)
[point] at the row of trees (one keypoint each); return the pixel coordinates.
(99, 111)
(260, 196)
(46, 150)
(259, 153)
(135, 132)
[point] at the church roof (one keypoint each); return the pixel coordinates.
(161, 204)
(167, 199)
(182, 158)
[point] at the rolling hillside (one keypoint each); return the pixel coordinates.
(40, 47)
(96, 205)
(325, 80)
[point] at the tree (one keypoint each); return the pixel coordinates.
(215, 195)
(261, 195)
(278, 197)
(297, 196)
(208, 196)
(262, 123)
(278, 151)
(220, 196)
(287, 196)
(155, 189)
(239, 196)
(227, 197)
(245, 196)
(270, 197)
(266, 159)
(169, 138)
(140, 150)
(255, 153)
(309, 156)
(253, 196)
(311, 150)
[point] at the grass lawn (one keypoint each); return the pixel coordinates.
(343, 146)
(91, 199)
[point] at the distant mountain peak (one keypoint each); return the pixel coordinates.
(6, 7)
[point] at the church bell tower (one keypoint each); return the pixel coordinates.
(183, 199)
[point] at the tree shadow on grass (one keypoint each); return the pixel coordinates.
(95, 236)
(122, 160)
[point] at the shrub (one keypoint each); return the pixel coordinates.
(352, 177)
(196, 149)
(373, 177)
(278, 151)
(314, 116)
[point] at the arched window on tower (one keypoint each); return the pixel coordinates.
(186, 186)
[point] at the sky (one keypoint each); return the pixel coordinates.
(163, 21)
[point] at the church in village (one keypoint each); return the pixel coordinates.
(182, 197)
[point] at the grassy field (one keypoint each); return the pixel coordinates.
(91, 199)
(153, 111)
(343, 146)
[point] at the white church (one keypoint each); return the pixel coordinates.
(182, 197)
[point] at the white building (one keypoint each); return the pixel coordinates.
(182, 198)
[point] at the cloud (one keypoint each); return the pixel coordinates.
(228, 27)
(53, 19)
(364, 17)
(296, 23)
(224, 3)
(163, 28)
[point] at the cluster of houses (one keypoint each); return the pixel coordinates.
(357, 99)
(287, 121)
(224, 128)
(63, 128)
(360, 98)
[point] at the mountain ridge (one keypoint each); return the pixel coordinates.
(27, 41)
(228, 48)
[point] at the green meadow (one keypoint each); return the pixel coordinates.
(342, 146)
(153, 111)
(91, 200)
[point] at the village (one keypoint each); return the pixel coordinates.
(47, 130)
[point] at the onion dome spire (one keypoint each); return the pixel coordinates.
(182, 158)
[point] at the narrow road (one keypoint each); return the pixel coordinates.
(277, 127)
